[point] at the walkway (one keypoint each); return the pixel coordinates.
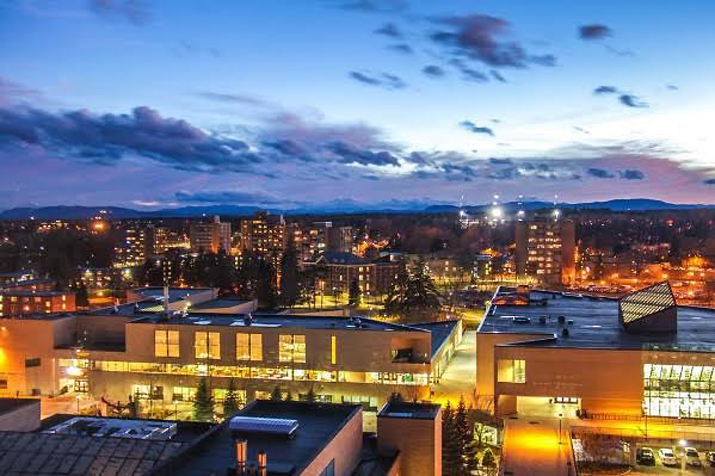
(531, 448)
(460, 377)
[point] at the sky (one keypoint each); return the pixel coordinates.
(286, 104)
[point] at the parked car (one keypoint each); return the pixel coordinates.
(645, 456)
(692, 457)
(667, 457)
(711, 458)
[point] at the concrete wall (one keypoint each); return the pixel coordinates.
(345, 449)
(419, 442)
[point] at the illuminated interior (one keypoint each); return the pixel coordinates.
(684, 391)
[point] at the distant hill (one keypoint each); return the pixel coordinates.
(335, 207)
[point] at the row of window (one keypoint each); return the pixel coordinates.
(249, 347)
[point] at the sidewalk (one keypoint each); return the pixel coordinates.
(531, 448)
(460, 377)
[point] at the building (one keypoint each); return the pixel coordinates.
(274, 438)
(133, 249)
(546, 249)
(16, 277)
(38, 284)
(641, 355)
(264, 235)
(321, 238)
(374, 277)
(18, 303)
(99, 278)
(210, 237)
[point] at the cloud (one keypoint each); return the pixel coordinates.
(631, 174)
(375, 6)
(383, 80)
(599, 173)
(106, 139)
(631, 101)
(469, 74)
(497, 75)
(581, 130)
(482, 38)
(433, 71)
(709, 181)
(594, 32)
(12, 92)
(389, 29)
(242, 99)
(605, 90)
(401, 48)
(135, 11)
(349, 154)
(471, 127)
(672, 87)
(227, 196)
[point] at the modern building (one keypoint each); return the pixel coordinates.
(210, 237)
(138, 350)
(322, 237)
(18, 303)
(15, 277)
(641, 355)
(374, 277)
(265, 235)
(546, 249)
(132, 250)
(274, 438)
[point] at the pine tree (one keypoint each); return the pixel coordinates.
(450, 452)
(488, 459)
(204, 402)
(276, 395)
(290, 289)
(355, 293)
(310, 397)
(232, 401)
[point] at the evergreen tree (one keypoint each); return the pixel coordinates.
(204, 402)
(310, 396)
(231, 403)
(396, 397)
(355, 293)
(488, 459)
(276, 395)
(450, 452)
(289, 397)
(151, 274)
(464, 437)
(417, 298)
(290, 286)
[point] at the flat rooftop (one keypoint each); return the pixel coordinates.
(419, 411)
(593, 322)
(440, 330)
(218, 303)
(318, 425)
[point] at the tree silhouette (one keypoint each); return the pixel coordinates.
(203, 402)
(231, 402)
(355, 293)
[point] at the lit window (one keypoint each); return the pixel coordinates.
(208, 345)
(291, 348)
(333, 350)
(249, 347)
(511, 371)
(166, 343)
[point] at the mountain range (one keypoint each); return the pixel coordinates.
(69, 212)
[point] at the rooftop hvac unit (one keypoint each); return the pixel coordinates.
(271, 426)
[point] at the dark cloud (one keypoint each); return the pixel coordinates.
(482, 38)
(242, 99)
(599, 173)
(605, 90)
(349, 154)
(290, 148)
(581, 130)
(433, 71)
(135, 11)
(500, 161)
(403, 48)
(468, 73)
(472, 127)
(10, 91)
(227, 196)
(383, 80)
(389, 29)
(375, 6)
(709, 181)
(631, 101)
(631, 174)
(497, 75)
(672, 87)
(106, 139)
(594, 32)
(370, 177)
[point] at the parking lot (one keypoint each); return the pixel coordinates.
(659, 468)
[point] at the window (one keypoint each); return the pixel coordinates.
(329, 469)
(291, 348)
(166, 343)
(184, 394)
(511, 371)
(333, 350)
(208, 345)
(249, 347)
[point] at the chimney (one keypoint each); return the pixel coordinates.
(262, 464)
(241, 452)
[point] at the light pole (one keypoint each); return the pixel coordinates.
(682, 444)
(560, 419)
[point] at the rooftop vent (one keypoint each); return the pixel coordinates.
(270, 426)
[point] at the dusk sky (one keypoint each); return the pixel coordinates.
(152, 104)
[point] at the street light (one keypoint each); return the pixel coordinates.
(560, 419)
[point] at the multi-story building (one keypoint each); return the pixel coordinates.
(16, 277)
(374, 277)
(264, 234)
(546, 249)
(98, 278)
(323, 237)
(211, 237)
(636, 357)
(134, 350)
(133, 249)
(20, 303)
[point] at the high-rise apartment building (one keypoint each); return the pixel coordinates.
(545, 249)
(211, 237)
(132, 251)
(265, 235)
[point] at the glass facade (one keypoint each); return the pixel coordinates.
(291, 348)
(511, 371)
(684, 391)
